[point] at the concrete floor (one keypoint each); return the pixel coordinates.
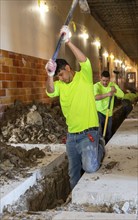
(92, 216)
(116, 181)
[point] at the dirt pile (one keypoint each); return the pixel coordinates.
(33, 123)
(15, 161)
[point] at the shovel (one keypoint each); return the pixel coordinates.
(107, 116)
(84, 7)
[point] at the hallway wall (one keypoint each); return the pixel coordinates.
(28, 39)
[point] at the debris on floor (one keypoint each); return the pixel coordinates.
(15, 161)
(33, 123)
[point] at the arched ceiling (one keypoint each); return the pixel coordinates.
(120, 19)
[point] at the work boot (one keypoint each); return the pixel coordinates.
(102, 141)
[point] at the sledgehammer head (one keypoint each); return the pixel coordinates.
(84, 6)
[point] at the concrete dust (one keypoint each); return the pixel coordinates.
(117, 208)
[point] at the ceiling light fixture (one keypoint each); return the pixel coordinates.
(105, 54)
(112, 56)
(97, 43)
(85, 36)
(43, 6)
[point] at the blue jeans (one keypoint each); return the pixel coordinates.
(83, 153)
(108, 134)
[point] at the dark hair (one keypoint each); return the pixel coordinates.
(61, 63)
(105, 74)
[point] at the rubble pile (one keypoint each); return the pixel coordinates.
(32, 123)
(15, 161)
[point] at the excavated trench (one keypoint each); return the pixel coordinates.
(50, 192)
(53, 189)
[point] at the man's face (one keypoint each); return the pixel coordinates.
(65, 75)
(105, 81)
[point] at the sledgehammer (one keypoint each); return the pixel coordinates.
(84, 7)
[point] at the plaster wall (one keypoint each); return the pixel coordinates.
(24, 30)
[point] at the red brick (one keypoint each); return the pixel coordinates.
(27, 77)
(15, 62)
(25, 71)
(21, 63)
(27, 84)
(33, 65)
(5, 69)
(23, 83)
(19, 70)
(21, 77)
(19, 84)
(30, 71)
(14, 77)
(12, 55)
(5, 84)
(14, 92)
(33, 78)
(2, 92)
(12, 70)
(2, 76)
(13, 84)
(44, 62)
(8, 77)
(18, 56)
(4, 53)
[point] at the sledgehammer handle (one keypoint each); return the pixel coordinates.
(73, 6)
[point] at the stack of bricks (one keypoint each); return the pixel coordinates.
(22, 78)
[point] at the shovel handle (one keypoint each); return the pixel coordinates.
(110, 99)
(107, 116)
(73, 6)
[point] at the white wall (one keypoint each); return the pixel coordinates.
(23, 30)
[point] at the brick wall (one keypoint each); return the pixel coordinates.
(22, 78)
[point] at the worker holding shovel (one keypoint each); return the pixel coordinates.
(104, 92)
(74, 89)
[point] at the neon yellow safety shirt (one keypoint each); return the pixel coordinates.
(131, 96)
(102, 105)
(77, 99)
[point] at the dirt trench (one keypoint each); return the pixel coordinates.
(54, 188)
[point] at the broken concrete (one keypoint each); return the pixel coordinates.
(33, 123)
(12, 189)
(92, 216)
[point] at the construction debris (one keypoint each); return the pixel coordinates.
(33, 123)
(15, 161)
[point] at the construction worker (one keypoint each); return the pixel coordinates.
(78, 106)
(103, 90)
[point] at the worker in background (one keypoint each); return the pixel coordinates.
(103, 90)
(78, 106)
